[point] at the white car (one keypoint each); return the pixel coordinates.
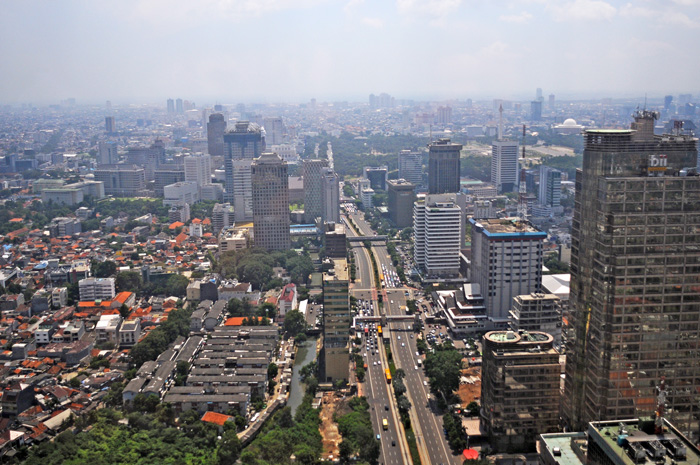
(415, 367)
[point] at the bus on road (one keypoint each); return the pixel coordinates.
(387, 373)
(385, 424)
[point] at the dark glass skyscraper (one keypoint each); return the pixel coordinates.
(443, 167)
(242, 144)
(635, 279)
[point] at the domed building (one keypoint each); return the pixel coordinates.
(569, 126)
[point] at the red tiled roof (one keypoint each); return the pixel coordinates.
(237, 320)
(216, 418)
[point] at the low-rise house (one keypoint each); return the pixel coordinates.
(129, 333)
(107, 329)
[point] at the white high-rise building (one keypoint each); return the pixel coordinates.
(181, 193)
(242, 189)
(411, 167)
(107, 153)
(198, 169)
(505, 172)
(330, 188)
(438, 230)
(550, 187)
(506, 262)
(274, 131)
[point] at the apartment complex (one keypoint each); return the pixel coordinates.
(96, 289)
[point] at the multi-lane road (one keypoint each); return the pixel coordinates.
(427, 423)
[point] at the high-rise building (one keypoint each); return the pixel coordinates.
(334, 240)
(335, 353)
(96, 288)
(411, 167)
(171, 106)
(377, 176)
(536, 110)
(274, 131)
(222, 216)
(537, 312)
(550, 187)
(313, 189)
(216, 127)
(270, 202)
(400, 198)
(552, 101)
(444, 115)
(242, 144)
(443, 167)
(438, 234)
(519, 388)
(506, 262)
(179, 107)
(198, 169)
(635, 269)
(165, 175)
(668, 100)
(504, 165)
(107, 153)
(122, 180)
(110, 125)
(330, 200)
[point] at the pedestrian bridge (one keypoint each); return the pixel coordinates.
(367, 238)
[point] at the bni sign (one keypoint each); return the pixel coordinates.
(657, 163)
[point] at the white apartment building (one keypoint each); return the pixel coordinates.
(505, 173)
(438, 230)
(96, 289)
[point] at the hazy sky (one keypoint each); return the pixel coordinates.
(292, 50)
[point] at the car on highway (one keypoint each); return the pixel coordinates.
(386, 407)
(403, 344)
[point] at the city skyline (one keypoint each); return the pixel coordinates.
(218, 51)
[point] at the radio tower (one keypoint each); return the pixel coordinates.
(522, 200)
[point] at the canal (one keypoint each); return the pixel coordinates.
(305, 355)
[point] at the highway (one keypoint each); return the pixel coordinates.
(427, 422)
(378, 393)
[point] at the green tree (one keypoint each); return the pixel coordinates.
(294, 323)
(443, 368)
(229, 448)
(128, 281)
(103, 269)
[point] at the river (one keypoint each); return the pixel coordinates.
(305, 355)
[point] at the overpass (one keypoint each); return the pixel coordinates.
(367, 238)
(384, 319)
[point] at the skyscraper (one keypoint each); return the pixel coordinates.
(242, 144)
(270, 202)
(506, 262)
(410, 167)
(171, 106)
(550, 187)
(400, 198)
(313, 189)
(179, 107)
(335, 354)
(635, 269)
(443, 167)
(330, 200)
(110, 125)
(274, 131)
(107, 153)
(505, 174)
(438, 234)
(198, 169)
(536, 110)
(216, 127)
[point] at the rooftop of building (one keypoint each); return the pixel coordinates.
(667, 447)
(564, 447)
(513, 337)
(536, 296)
(506, 227)
(339, 271)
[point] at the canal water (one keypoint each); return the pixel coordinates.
(305, 355)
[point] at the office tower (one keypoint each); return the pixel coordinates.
(519, 388)
(411, 167)
(506, 262)
(504, 165)
(537, 312)
(443, 167)
(107, 153)
(400, 198)
(180, 194)
(550, 187)
(171, 106)
(270, 202)
(330, 200)
(313, 192)
(438, 234)
(538, 95)
(667, 102)
(110, 125)
(483, 210)
(242, 144)
(274, 131)
(165, 175)
(635, 269)
(366, 196)
(198, 169)
(377, 176)
(219, 108)
(335, 353)
(216, 127)
(552, 101)
(179, 107)
(122, 180)
(444, 115)
(150, 158)
(222, 216)
(334, 240)
(536, 110)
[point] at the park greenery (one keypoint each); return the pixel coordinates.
(255, 266)
(171, 285)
